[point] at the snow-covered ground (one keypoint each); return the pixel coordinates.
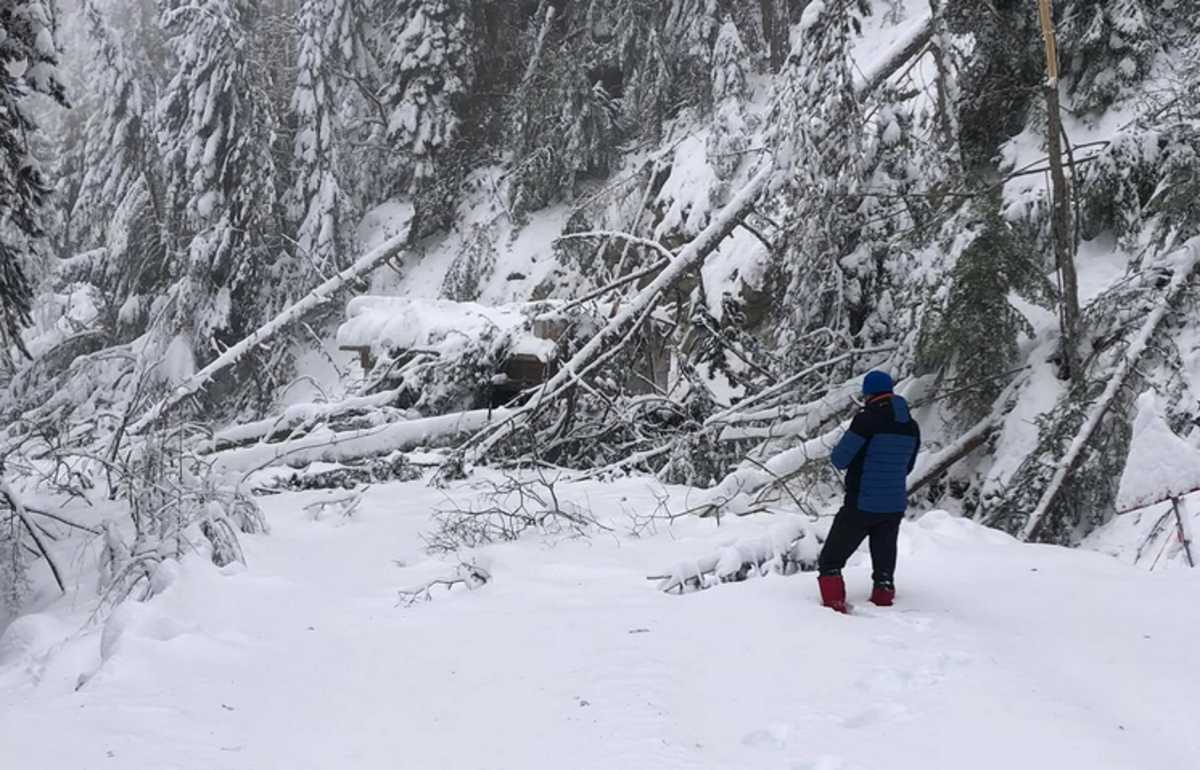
(997, 655)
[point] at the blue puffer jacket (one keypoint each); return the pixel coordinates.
(878, 453)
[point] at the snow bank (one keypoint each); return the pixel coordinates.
(30, 636)
(951, 528)
(137, 620)
(1161, 465)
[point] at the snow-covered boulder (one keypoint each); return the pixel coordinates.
(1161, 465)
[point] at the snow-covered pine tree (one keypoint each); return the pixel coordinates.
(565, 120)
(28, 61)
(993, 263)
(730, 131)
(119, 208)
(330, 47)
(465, 279)
(1000, 77)
(218, 133)
(818, 135)
(427, 65)
(1107, 47)
(115, 130)
(690, 29)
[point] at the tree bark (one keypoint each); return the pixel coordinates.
(1064, 238)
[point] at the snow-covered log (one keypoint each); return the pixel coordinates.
(930, 466)
(297, 416)
(339, 447)
(785, 549)
(1186, 260)
(737, 489)
(314, 299)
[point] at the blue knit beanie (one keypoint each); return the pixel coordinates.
(877, 382)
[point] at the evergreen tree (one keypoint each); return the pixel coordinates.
(817, 123)
(330, 43)
(218, 130)
(120, 153)
(971, 334)
(427, 65)
(28, 61)
(730, 128)
(1107, 46)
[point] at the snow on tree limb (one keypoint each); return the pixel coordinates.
(901, 53)
(735, 490)
(313, 300)
(930, 466)
(1187, 259)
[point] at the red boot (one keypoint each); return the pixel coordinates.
(833, 592)
(883, 594)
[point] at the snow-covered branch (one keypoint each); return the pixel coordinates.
(900, 54)
(471, 576)
(616, 235)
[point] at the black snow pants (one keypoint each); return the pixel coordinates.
(850, 528)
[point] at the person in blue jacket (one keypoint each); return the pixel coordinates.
(877, 453)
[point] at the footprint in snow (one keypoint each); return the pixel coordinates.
(776, 736)
(875, 715)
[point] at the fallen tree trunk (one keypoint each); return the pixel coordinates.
(294, 417)
(1188, 258)
(314, 299)
(350, 446)
(929, 467)
(932, 466)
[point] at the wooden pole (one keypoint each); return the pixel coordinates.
(1064, 238)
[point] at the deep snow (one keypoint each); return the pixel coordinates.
(997, 655)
